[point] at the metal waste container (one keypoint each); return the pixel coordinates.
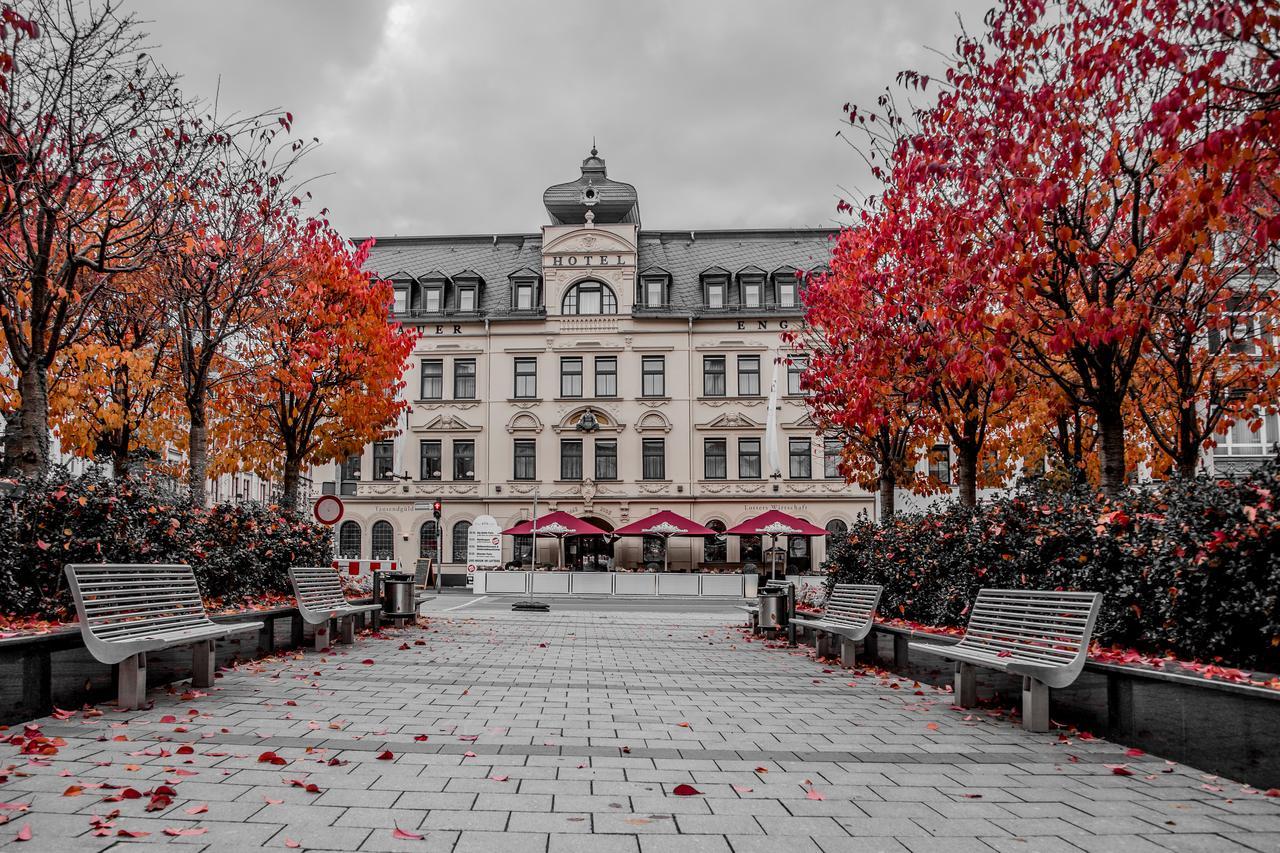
(773, 610)
(397, 595)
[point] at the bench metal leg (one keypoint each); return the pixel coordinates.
(267, 635)
(296, 631)
(131, 682)
(966, 688)
(376, 615)
(321, 637)
(347, 629)
(901, 652)
(202, 664)
(848, 652)
(1035, 705)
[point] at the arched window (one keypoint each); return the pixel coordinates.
(428, 540)
(590, 297)
(715, 549)
(652, 549)
(382, 541)
(349, 540)
(460, 531)
(836, 530)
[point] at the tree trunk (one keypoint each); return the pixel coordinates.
(198, 457)
(27, 454)
(967, 474)
(12, 442)
(292, 483)
(887, 486)
(1111, 449)
(1188, 459)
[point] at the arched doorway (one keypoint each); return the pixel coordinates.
(590, 553)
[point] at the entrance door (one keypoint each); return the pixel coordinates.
(589, 553)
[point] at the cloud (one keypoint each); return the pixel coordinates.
(448, 117)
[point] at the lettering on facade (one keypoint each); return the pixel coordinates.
(588, 261)
(455, 330)
(762, 325)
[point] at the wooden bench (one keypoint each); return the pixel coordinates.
(128, 610)
(849, 614)
(318, 590)
(1042, 636)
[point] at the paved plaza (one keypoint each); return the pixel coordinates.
(636, 731)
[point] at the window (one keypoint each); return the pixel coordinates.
(382, 541)
(401, 297)
(467, 300)
(590, 297)
(836, 530)
(383, 460)
(749, 458)
(832, 450)
(798, 558)
(522, 296)
(464, 460)
(606, 459)
(715, 455)
(750, 549)
(570, 459)
(940, 463)
(526, 455)
(715, 549)
(464, 379)
(652, 551)
(522, 550)
(713, 376)
(655, 292)
(349, 540)
(795, 367)
(800, 458)
(349, 475)
(432, 379)
(787, 291)
(431, 464)
(751, 288)
(654, 459)
(526, 378)
(715, 292)
(653, 381)
(433, 299)
(461, 530)
(748, 376)
(571, 377)
(606, 376)
(428, 541)
(1240, 440)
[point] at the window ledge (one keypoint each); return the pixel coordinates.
(524, 399)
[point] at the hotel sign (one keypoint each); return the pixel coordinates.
(591, 260)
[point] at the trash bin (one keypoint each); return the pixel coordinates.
(773, 610)
(397, 595)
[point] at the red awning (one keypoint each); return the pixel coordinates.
(558, 523)
(665, 523)
(775, 522)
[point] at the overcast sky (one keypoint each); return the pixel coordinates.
(452, 117)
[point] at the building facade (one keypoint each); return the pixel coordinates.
(600, 369)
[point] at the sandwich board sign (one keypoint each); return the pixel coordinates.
(484, 546)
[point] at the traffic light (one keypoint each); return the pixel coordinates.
(436, 506)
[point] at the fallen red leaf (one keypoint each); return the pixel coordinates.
(683, 790)
(386, 755)
(185, 830)
(405, 835)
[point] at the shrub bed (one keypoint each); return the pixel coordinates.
(1190, 568)
(240, 553)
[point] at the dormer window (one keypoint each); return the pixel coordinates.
(525, 294)
(751, 292)
(787, 287)
(401, 304)
(467, 299)
(715, 289)
(433, 298)
(655, 288)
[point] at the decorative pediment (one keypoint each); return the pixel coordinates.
(589, 240)
(588, 420)
(731, 420)
(524, 422)
(653, 422)
(804, 422)
(446, 423)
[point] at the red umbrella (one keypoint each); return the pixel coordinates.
(775, 523)
(558, 524)
(665, 524)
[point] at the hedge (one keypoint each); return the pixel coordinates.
(240, 553)
(1189, 568)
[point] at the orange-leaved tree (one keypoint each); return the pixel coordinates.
(322, 367)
